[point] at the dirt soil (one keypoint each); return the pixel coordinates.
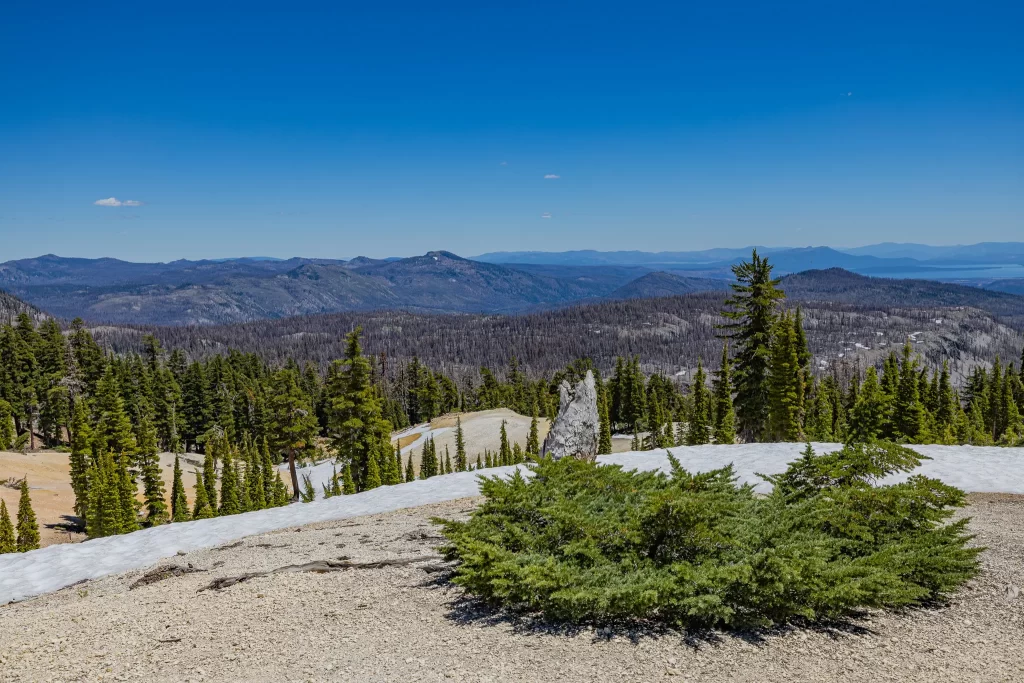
(407, 623)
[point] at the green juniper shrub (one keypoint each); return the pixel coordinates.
(583, 542)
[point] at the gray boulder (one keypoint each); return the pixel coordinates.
(576, 430)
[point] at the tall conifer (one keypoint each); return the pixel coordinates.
(752, 310)
(128, 504)
(28, 528)
(79, 460)
(8, 541)
(697, 429)
(201, 506)
(179, 501)
(460, 441)
(725, 415)
(152, 482)
(229, 504)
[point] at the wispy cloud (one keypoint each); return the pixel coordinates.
(114, 201)
(551, 176)
(545, 215)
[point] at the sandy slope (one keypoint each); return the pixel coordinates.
(408, 624)
(482, 430)
(53, 500)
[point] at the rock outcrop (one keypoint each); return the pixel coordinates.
(576, 429)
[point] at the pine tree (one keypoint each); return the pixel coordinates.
(460, 442)
(504, 451)
(348, 486)
(908, 413)
(243, 473)
(7, 430)
(945, 400)
(358, 431)
(152, 482)
(996, 410)
(293, 425)
(210, 477)
(372, 479)
(479, 463)
(533, 439)
(604, 439)
(783, 384)
(128, 504)
(725, 415)
(28, 528)
(819, 416)
(179, 502)
(410, 473)
(8, 541)
(113, 430)
(870, 413)
(697, 427)
(655, 422)
(79, 460)
(752, 310)
(281, 495)
(308, 494)
(803, 359)
(201, 507)
(336, 483)
(391, 469)
(270, 475)
(104, 508)
(448, 461)
(229, 504)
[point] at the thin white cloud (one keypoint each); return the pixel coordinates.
(504, 163)
(551, 176)
(545, 215)
(114, 201)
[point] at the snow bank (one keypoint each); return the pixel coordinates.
(42, 571)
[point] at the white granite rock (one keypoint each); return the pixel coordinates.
(576, 430)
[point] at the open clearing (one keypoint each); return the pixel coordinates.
(406, 623)
(49, 480)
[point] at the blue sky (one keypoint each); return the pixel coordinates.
(340, 129)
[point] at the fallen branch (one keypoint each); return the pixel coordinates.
(317, 567)
(161, 573)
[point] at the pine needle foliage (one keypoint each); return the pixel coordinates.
(8, 541)
(308, 494)
(28, 528)
(586, 543)
(179, 501)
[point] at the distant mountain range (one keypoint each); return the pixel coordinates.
(975, 264)
(247, 289)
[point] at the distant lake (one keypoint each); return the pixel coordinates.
(997, 271)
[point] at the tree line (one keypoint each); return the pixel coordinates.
(114, 413)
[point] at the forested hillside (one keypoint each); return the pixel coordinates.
(11, 306)
(106, 290)
(669, 334)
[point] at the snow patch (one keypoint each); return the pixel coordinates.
(23, 575)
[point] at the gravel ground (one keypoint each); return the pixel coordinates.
(403, 623)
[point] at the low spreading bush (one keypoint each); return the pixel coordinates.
(583, 542)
